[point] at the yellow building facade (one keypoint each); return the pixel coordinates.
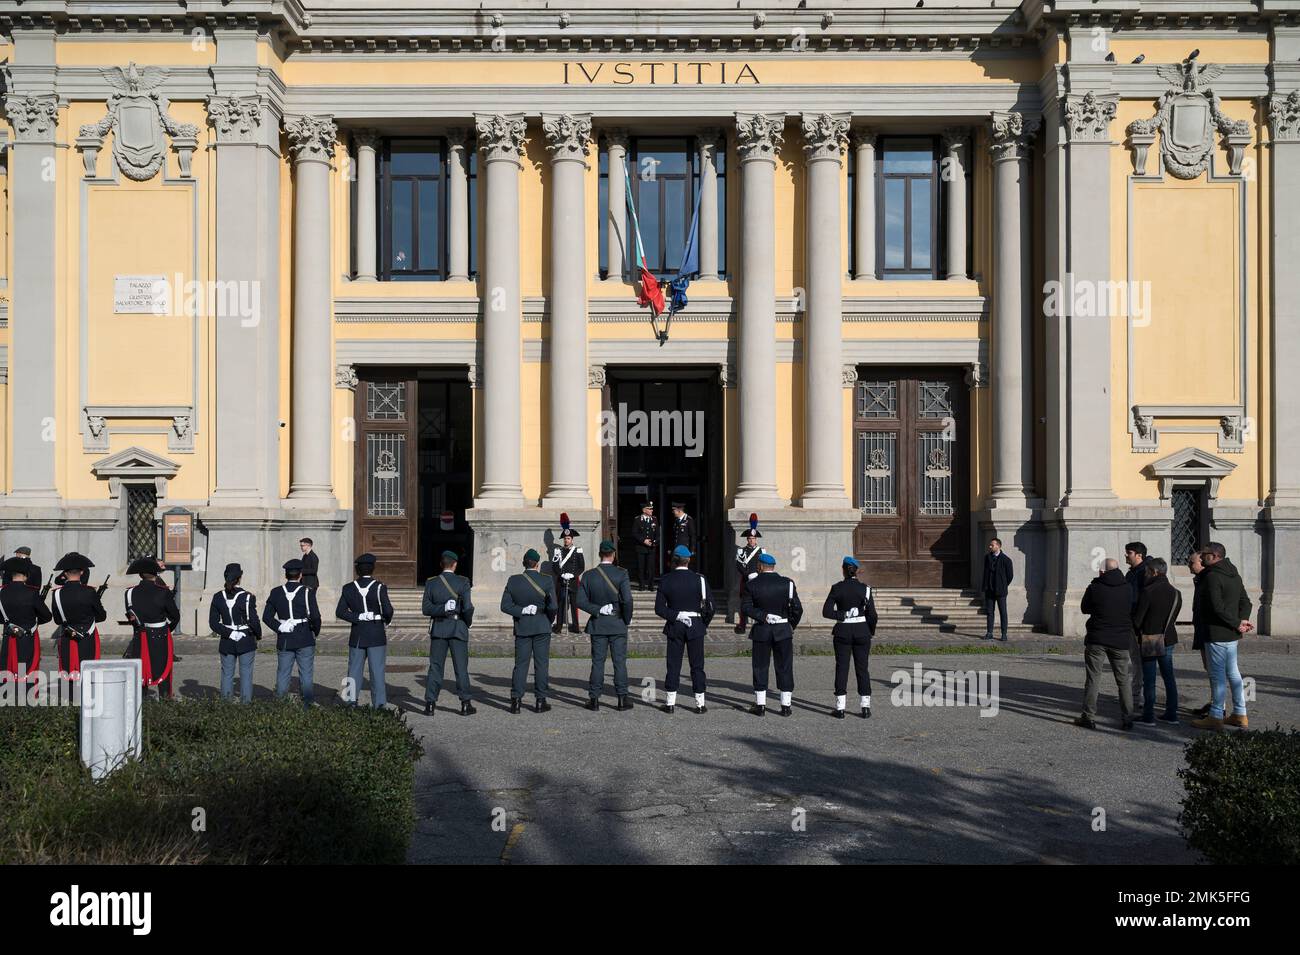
(368, 273)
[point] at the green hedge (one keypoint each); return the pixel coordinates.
(277, 783)
(1243, 797)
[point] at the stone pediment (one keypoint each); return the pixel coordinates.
(135, 466)
(1189, 466)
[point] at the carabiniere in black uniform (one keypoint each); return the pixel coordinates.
(853, 608)
(77, 609)
(772, 603)
(22, 611)
(567, 565)
(151, 608)
(645, 540)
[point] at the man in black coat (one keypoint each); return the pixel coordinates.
(365, 605)
(21, 611)
(645, 537)
(310, 564)
(606, 595)
(447, 600)
(36, 577)
(151, 609)
(684, 603)
(772, 602)
(998, 574)
(77, 609)
(232, 616)
(1156, 615)
(853, 608)
(682, 533)
(1135, 555)
(1109, 637)
(529, 599)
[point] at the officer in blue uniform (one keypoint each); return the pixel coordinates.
(772, 603)
(853, 608)
(684, 602)
(292, 612)
(365, 605)
(447, 602)
(232, 616)
(529, 599)
(606, 594)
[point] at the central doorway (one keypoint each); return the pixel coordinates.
(662, 442)
(413, 461)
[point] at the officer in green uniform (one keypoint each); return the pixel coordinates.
(529, 598)
(605, 593)
(446, 600)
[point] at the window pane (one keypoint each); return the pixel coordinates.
(909, 156)
(675, 222)
(722, 223)
(920, 223)
(430, 232)
(401, 231)
(670, 153)
(414, 159)
(648, 211)
(472, 200)
(894, 221)
(602, 204)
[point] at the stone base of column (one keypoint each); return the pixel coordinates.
(820, 499)
(500, 538)
(1279, 608)
(809, 545)
(566, 499)
(1021, 531)
(1078, 539)
(317, 497)
(759, 499)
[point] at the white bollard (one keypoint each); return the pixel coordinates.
(111, 698)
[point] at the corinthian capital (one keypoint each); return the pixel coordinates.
(1012, 134)
(568, 135)
(825, 135)
(311, 138)
(1284, 116)
(33, 117)
(759, 135)
(501, 135)
(1088, 117)
(236, 119)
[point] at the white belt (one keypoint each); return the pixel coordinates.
(687, 613)
(153, 626)
(775, 620)
(854, 620)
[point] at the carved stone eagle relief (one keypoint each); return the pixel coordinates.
(139, 115)
(1186, 119)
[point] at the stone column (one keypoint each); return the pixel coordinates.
(825, 137)
(33, 370)
(864, 202)
(616, 238)
(709, 212)
(759, 137)
(311, 141)
(501, 139)
(367, 224)
(955, 142)
(1012, 361)
(458, 211)
(568, 138)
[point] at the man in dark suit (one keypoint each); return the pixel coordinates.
(310, 564)
(998, 574)
(605, 593)
(365, 605)
(683, 532)
(645, 536)
(772, 602)
(684, 603)
(1135, 556)
(853, 609)
(447, 601)
(529, 598)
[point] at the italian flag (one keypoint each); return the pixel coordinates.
(650, 294)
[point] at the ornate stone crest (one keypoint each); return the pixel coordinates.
(139, 115)
(1186, 119)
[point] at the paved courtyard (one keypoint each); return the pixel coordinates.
(912, 784)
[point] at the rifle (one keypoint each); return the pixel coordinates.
(45, 591)
(102, 587)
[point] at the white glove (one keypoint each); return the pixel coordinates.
(752, 576)
(236, 633)
(530, 610)
(850, 613)
(567, 576)
(368, 615)
(607, 610)
(773, 618)
(287, 626)
(684, 617)
(449, 606)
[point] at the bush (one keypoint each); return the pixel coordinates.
(276, 783)
(1243, 797)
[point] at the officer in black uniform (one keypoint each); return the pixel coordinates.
(682, 533)
(853, 608)
(645, 534)
(447, 601)
(746, 568)
(36, 577)
(772, 602)
(605, 593)
(684, 602)
(365, 605)
(77, 608)
(232, 616)
(567, 565)
(291, 611)
(529, 599)
(153, 614)
(22, 611)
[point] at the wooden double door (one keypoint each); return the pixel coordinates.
(911, 453)
(412, 465)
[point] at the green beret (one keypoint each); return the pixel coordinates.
(531, 554)
(607, 547)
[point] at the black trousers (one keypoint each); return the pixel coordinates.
(989, 601)
(645, 566)
(856, 650)
(694, 649)
(565, 598)
(763, 654)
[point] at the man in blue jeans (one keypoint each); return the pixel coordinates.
(998, 574)
(1154, 620)
(1223, 612)
(291, 611)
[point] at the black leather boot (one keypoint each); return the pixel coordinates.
(758, 709)
(428, 709)
(467, 708)
(624, 703)
(593, 704)
(542, 706)
(514, 704)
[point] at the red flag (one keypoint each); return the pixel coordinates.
(650, 294)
